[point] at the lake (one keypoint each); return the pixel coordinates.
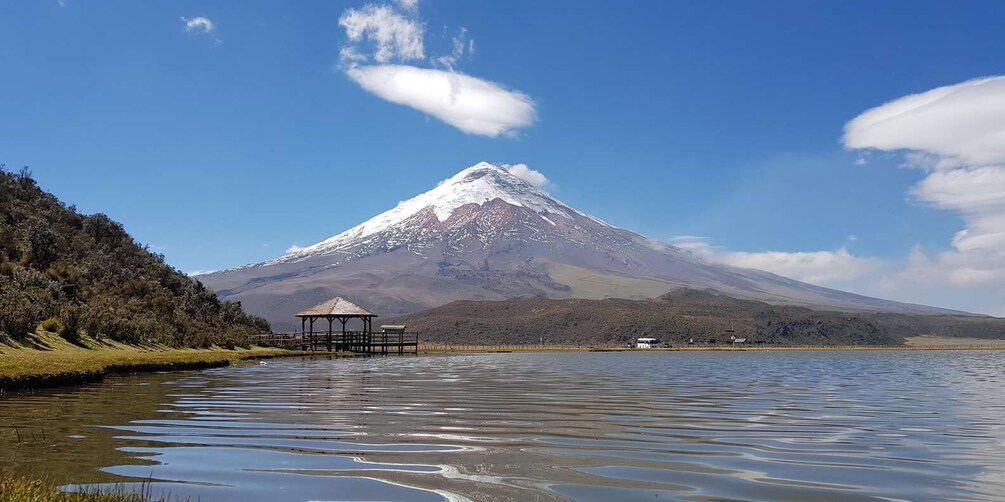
(758, 425)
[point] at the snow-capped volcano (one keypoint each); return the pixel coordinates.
(478, 184)
(485, 233)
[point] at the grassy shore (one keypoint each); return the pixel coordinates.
(34, 490)
(46, 360)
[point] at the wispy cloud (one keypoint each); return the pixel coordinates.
(394, 36)
(408, 5)
(956, 134)
(462, 46)
(824, 268)
(381, 38)
(199, 24)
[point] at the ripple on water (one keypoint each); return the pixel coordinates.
(584, 426)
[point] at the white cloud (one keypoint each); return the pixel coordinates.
(534, 177)
(956, 134)
(461, 46)
(394, 36)
(473, 105)
(978, 194)
(963, 123)
(294, 249)
(408, 5)
(203, 24)
(815, 267)
(195, 273)
(380, 37)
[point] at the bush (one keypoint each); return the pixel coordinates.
(52, 325)
(19, 313)
(71, 320)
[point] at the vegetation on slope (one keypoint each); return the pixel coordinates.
(676, 318)
(84, 275)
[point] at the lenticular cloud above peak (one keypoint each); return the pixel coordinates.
(395, 33)
(473, 105)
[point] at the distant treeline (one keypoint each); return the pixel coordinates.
(76, 274)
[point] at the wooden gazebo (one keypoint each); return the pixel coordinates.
(342, 310)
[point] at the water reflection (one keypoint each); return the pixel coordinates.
(585, 426)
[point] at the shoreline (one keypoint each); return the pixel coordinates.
(45, 361)
(192, 359)
(501, 349)
(48, 361)
(153, 361)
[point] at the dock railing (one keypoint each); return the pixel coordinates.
(351, 341)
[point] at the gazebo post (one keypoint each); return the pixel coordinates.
(369, 332)
(312, 332)
(303, 335)
(329, 334)
(343, 319)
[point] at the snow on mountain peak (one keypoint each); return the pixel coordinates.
(478, 184)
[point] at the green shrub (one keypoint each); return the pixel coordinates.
(19, 315)
(52, 325)
(69, 316)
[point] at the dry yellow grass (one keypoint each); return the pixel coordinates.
(45, 360)
(34, 490)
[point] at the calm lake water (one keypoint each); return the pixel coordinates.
(581, 426)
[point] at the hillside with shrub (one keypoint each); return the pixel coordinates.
(74, 274)
(678, 317)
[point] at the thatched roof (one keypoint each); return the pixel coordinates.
(336, 307)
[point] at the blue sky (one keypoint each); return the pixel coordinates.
(221, 133)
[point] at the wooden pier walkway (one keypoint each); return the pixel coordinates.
(351, 341)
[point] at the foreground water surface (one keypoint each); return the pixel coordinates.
(533, 426)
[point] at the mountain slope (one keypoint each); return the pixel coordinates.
(85, 273)
(487, 234)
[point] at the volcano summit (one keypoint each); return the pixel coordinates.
(485, 233)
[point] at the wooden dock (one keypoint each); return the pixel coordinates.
(360, 342)
(388, 340)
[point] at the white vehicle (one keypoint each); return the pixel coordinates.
(646, 343)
